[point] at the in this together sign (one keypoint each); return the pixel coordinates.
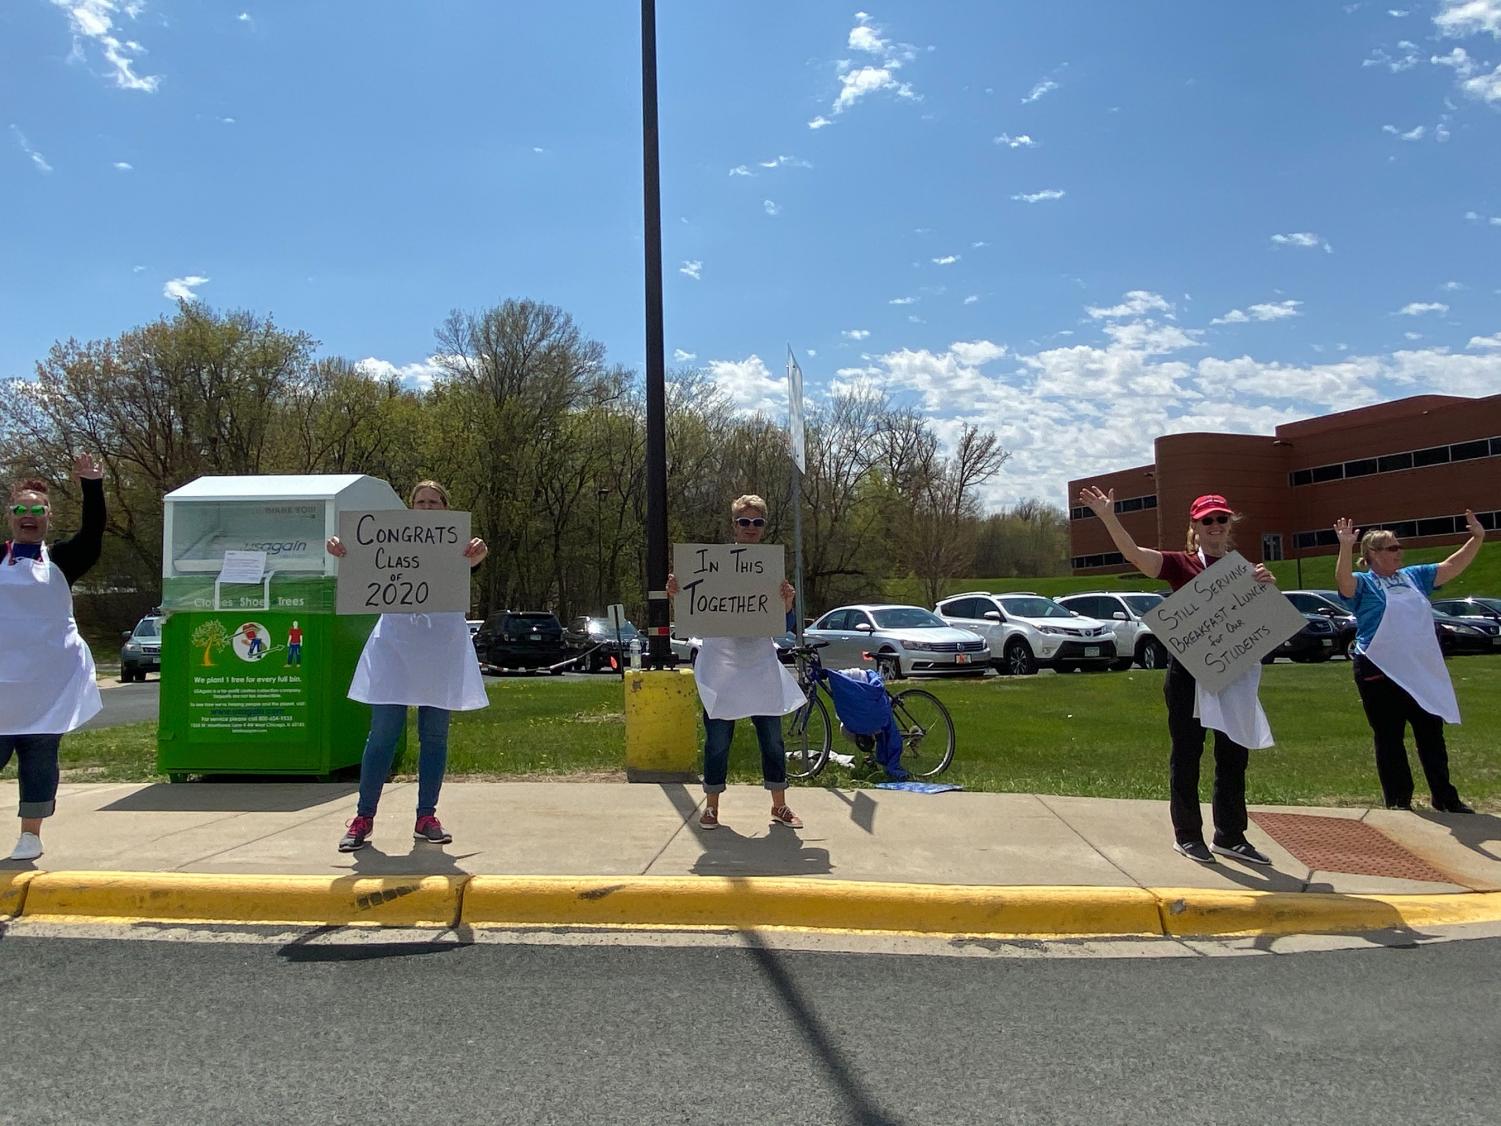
(1224, 621)
(729, 589)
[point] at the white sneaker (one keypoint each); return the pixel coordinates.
(29, 847)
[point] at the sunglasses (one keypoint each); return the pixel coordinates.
(29, 509)
(1219, 518)
(1391, 547)
(751, 521)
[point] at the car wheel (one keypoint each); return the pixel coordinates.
(1151, 654)
(1019, 659)
(889, 665)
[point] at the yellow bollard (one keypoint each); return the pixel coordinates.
(661, 726)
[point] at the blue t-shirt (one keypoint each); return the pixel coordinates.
(1369, 603)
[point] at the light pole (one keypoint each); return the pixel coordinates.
(657, 611)
(599, 548)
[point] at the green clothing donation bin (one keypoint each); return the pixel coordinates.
(255, 674)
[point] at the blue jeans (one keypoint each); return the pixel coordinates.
(36, 770)
(721, 732)
(386, 722)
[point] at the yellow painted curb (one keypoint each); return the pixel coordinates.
(192, 897)
(747, 903)
(13, 891)
(1196, 912)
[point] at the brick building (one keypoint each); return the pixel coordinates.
(1413, 466)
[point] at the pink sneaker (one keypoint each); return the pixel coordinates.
(429, 828)
(781, 815)
(359, 832)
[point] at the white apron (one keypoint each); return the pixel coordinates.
(1236, 708)
(739, 677)
(421, 660)
(1406, 650)
(47, 684)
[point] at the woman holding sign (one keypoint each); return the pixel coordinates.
(1399, 668)
(741, 678)
(47, 685)
(424, 661)
(1234, 713)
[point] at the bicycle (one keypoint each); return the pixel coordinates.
(927, 728)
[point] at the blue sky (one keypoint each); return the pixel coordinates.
(1079, 224)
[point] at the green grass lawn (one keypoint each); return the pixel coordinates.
(1101, 735)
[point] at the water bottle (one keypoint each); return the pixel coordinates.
(635, 652)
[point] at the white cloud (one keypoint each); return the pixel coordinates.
(1458, 60)
(946, 260)
(243, 17)
(978, 243)
(1459, 18)
(1398, 13)
(418, 376)
(749, 385)
(1413, 134)
(692, 268)
(1305, 239)
(1486, 87)
(1413, 335)
(226, 121)
(1485, 341)
(1137, 302)
(819, 122)
(865, 80)
(784, 162)
(856, 83)
(1023, 141)
(37, 159)
(93, 21)
(138, 269)
(1452, 286)
(181, 289)
(976, 353)
(741, 170)
(683, 357)
(770, 207)
(1406, 60)
(902, 301)
(123, 166)
(1272, 311)
(972, 298)
(1042, 88)
(864, 37)
(855, 333)
(1419, 308)
(1038, 197)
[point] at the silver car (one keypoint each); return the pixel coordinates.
(898, 640)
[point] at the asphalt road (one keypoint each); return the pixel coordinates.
(164, 1031)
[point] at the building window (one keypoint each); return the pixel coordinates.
(1301, 477)
(1108, 559)
(1328, 473)
(1271, 547)
(1465, 451)
(1391, 463)
(1362, 467)
(1434, 455)
(1395, 463)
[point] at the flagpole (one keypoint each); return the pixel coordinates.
(797, 517)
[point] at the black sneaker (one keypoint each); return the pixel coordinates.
(1405, 806)
(1195, 851)
(1455, 806)
(1244, 851)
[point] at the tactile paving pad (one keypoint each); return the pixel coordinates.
(1342, 844)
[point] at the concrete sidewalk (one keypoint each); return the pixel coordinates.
(873, 838)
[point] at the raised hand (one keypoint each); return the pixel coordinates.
(87, 468)
(336, 548)
(1097, 500)
(1262, 575)
(1345, 530)
(476, 550)
(789, 595)
(1472, 522)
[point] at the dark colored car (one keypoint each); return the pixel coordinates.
(1485, 609)
(595, 642)
(142, 651)
(1314, 642)
(521, 639)
(1466, 635)
(1327, 603)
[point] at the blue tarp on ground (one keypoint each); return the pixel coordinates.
(861, 703)
(920, 787)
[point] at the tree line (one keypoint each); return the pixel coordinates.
(537, 434)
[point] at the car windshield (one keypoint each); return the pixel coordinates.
(1491, 604)
(907, 617)
(1034, 606)
(601, 628)
(1141, 603)
(147, 628)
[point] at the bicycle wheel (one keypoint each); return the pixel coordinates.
(927, 732)
(808, 738)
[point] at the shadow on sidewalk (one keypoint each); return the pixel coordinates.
(1478, 832)
(422, 860)
(862, 808)
(232, 794)
(780, 853)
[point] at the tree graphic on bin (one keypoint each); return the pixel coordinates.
(211, 635)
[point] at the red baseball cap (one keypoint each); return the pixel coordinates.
(1209, 502)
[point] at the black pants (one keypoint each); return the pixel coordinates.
(1389, 709)
(1230, 758)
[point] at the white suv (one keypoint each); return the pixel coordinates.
(1122, 611)
(1026, 630)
